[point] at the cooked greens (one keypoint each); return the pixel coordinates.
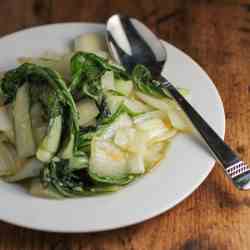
(87, 71)
(82, 128)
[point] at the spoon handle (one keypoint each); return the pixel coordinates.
(235, 169)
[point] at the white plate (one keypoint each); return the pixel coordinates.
(184, 169)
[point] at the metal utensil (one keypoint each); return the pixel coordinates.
(131, 43)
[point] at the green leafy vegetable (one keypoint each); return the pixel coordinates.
(144, 82)
(25, 142)
(37, 188)
(27, 169)
(92, 136)
(50, 142)
(68, 183)
(87, 111)
(87, 71)
(8, 157)
(48, 88)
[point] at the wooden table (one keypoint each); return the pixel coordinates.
(217, 35)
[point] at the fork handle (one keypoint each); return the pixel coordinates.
(235, 169)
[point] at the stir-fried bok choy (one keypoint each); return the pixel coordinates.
(80, 125)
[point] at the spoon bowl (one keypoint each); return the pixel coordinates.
(131, 43)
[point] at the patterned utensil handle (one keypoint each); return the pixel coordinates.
(235, 169)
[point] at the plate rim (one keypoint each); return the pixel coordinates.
(157, 211)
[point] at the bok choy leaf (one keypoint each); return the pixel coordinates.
(70, 183)
(48, 88)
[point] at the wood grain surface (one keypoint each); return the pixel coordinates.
(217, 35)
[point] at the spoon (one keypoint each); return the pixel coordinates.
(130, 43)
